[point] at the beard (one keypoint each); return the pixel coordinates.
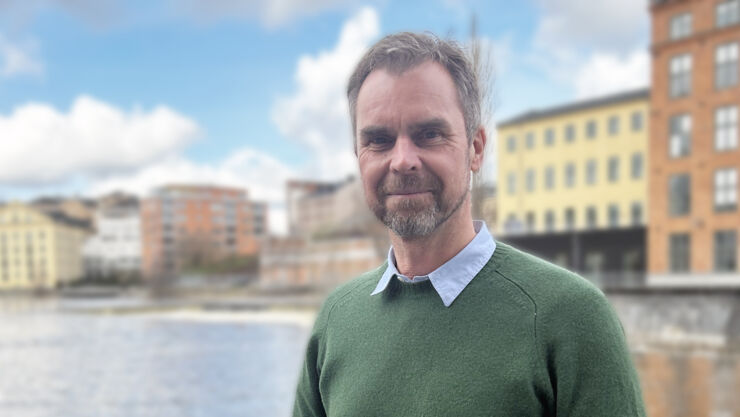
(411, 218)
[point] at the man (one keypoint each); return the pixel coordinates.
(454, 323)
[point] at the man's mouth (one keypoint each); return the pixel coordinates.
(412, 192)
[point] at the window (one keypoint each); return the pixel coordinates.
(679, 252)
(570, 219)
(591, 169)
(725, 189)
(680, 75)
(637, 121)
(637, 166)
(530, 219)
(550, 177)
(680, 26)
(636, 211)
(550, 137)
(725, 128)
(513, 225)
(725, 250)
(529, 140)
(725, 65)
(613, 215)
(591, 129)
(570, 133)
(614, 169)
(530, 179)
(570, 175)
(550, 221)
(511, 144)
(591, 219)
(727, 13)
(613, 125)
(680, 139)
(511, 183)
(679, 194)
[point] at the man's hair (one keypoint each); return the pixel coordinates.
(405, 50)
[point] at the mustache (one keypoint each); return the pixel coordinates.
(407, 184)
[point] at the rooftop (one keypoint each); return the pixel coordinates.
(532, 115)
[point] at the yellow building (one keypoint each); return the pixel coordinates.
(575, 167)
(577, 171)
(38, 250)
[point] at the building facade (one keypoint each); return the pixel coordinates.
(333, 237)
(318, 208)
(318, 263)
(38, 250)
(573, 183)
(189, 224)
(694, 156)
(115, 249)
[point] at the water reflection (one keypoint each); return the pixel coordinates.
(55, 363)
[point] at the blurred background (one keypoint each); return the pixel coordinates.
(178, 189)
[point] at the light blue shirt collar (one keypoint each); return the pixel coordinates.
(451, 278)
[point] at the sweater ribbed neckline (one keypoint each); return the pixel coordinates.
(423, 288)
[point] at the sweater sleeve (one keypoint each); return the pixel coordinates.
(587, 358)
(308, 402)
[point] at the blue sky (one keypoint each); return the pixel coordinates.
(99, 95)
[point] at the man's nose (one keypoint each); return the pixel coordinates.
(404, 155)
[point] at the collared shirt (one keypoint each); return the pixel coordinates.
(451, 278)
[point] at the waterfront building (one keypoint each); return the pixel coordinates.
(333, 237)
(191, 224)
(79, 209)
(296, 261)
(317, 208)
(573, 185)
(39, 250)
(694, 220)
(114, 251)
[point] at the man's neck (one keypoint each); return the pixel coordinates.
(420, 256)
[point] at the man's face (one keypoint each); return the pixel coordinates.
(413, 153)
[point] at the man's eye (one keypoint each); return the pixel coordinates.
(379, 141)
(430, 134)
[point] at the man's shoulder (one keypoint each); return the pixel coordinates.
(362, 284)
(542, 281)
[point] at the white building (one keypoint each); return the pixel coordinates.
(115, 250)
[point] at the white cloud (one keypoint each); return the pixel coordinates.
(262, 175)
(595, 48)
(270, 12)
(607, 24)
(316, 115)
(18, 59)
(608, 73)
(42, 145)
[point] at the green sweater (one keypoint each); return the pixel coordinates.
(525, 338)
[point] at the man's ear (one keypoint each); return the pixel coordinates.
(477, 147)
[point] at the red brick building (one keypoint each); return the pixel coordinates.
(694, 220)
(189, 223)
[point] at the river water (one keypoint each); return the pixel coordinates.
(55, 362)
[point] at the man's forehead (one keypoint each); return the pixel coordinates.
(424, 91)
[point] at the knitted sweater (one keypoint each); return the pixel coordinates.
(525, 338)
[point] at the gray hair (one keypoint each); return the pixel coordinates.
(405, 50)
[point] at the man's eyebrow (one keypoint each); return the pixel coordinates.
(370, 131)
(435, 123)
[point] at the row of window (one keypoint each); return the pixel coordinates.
(725, 132)
(569, 174)
(569, 131)
(726, 70)
(514, 225)
(726, 13)
(725, 251)
(725, 192)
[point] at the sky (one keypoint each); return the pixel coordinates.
(103, 95)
